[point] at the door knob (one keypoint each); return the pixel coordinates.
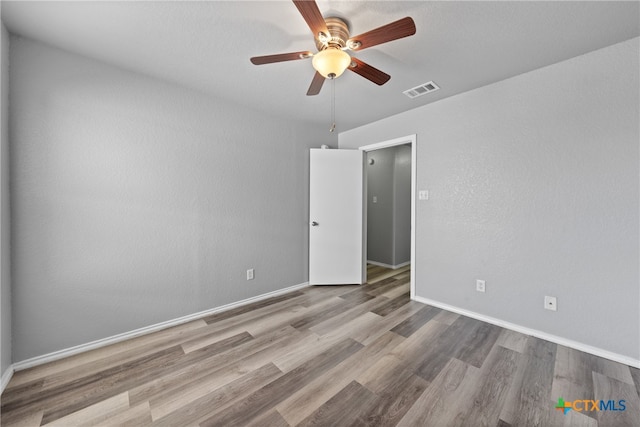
(314, 224)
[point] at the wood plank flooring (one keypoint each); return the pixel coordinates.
(327, 356)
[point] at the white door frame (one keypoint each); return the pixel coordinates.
(409, 139)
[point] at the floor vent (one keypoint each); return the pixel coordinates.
(423, 89)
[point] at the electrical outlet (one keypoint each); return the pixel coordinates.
(550, 303)
(250, 274)
(423, 195)
(480, 285)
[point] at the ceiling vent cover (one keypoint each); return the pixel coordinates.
(423, 89)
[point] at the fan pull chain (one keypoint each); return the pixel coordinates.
(333, 104)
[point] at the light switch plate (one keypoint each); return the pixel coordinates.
(423, 195)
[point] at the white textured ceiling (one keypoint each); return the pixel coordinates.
(206, 45)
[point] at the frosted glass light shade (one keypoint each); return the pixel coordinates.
(331, 61)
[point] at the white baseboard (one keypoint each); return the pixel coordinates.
(6, 377)
(536, 333)
(393, 267)
(61, 354)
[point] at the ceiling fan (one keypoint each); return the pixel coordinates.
(332, 39)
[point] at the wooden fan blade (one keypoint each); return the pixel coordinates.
(311, 14)
(396, 30)
(316, 84)
(368, 72)
(269, 59)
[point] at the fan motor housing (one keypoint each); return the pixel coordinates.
(338, 33)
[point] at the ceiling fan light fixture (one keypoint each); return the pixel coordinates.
(331, 62)
(332, 36)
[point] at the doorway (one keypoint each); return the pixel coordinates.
(409, 141)
(388, 187)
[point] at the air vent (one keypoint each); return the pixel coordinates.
(423, 89)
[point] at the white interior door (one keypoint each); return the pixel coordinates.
(336, 217)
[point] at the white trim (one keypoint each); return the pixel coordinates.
(60, 354)
(6, 377)
(393, 267)
(389, 143)
(409, 139)
(536, 333)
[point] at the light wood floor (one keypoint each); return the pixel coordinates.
(330, 356)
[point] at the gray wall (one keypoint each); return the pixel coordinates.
(534, 188)
(5, 265)
(402, 205)
(389, 218)
(380, 214)
(136, 201)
